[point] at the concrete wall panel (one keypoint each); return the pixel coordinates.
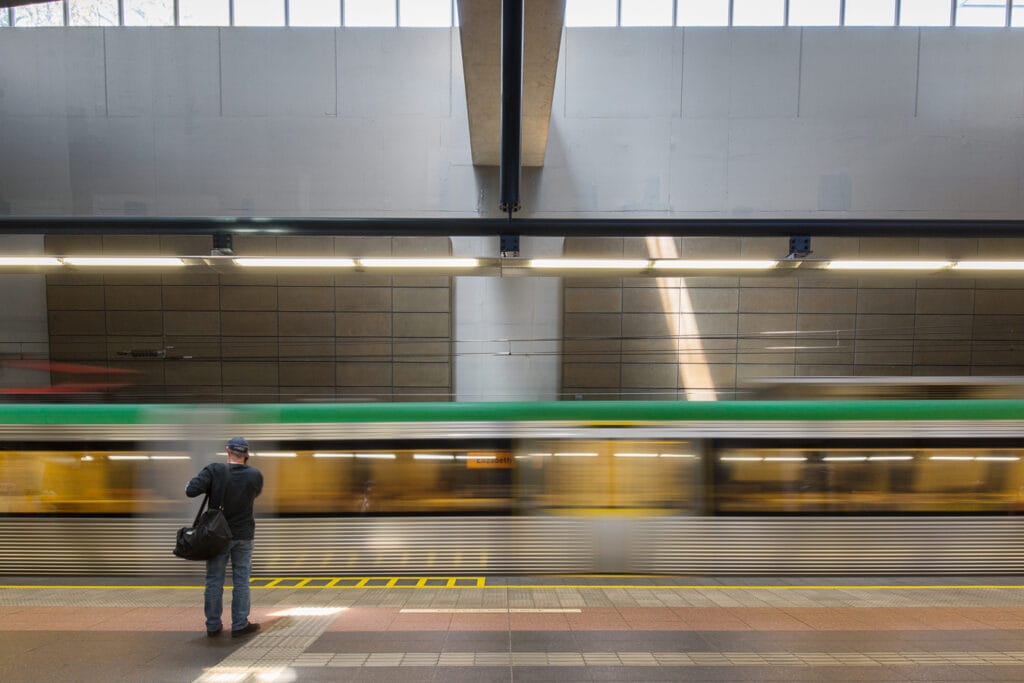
(959, 80)
(611, 73)
(163, 73)
(55, 72)
(401, 72)
(730, 73)
(278, 72)
(848, 73)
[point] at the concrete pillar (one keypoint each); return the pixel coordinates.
(507, 330)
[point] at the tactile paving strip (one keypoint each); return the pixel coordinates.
(277, 647)
(717, 659)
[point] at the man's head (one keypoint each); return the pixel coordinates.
(238, 449)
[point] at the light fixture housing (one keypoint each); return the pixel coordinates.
(295, 262)
(595, 264)
(419, 262)
(840, 264)
(125, 261)
(29, 261)
(988, 265)
(715, 264)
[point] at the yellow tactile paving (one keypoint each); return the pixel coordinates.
(370, 582)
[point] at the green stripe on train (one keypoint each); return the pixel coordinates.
(610, 412)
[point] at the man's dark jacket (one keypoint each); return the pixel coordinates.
(243, 487)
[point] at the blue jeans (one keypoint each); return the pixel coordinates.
(241, 569)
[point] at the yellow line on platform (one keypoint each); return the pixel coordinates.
(478, 582)
(746, 588)
(54, 587)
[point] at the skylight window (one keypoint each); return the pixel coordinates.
(814, 12)
(924, 13)
(93, 12)
(425, 13)
(149, 12)
(203, 12)
(646, 13)
(259, 13)
(870, 12)
(758, 12)
(369, 13)
(578, 13)
(980, 13)
(314, 13)
(46, 14)
(591, 13)
(702, 13)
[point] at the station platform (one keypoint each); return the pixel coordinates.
(542, 628)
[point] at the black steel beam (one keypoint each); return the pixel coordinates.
(480, 227)
(511, 105)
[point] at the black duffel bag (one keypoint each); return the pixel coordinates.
(209, 534)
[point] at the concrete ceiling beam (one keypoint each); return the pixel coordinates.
(481, 59)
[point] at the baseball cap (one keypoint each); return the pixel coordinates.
(239, 445)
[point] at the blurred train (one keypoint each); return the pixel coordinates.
(445, 489)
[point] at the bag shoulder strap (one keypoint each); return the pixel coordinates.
(201, 508)
(225, 475)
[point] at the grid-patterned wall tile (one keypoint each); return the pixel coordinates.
(254, 331)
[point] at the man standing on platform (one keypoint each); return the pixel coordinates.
(241, 484)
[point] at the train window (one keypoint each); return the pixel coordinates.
(839, 480)
(387, 481)
(614, 477)
(300, 482)
(93, 482)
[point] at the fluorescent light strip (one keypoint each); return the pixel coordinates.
(845, 458)
(998, 458)
(714, 264)
(295, 262)
(332, 455)
(575, 455)
(596, 264)
(276, 454)
(882, 458)
(419, 262)
(951, 457)
(988, 265)
(538, 455)
(476, 457)
(786, 458)
(29, 261)
(738, 458)
(635, 455)
(376, 456)
(432, 456)
(149, 261)
(678, 455)
(127, 457)
(888, 265)
(170, 457)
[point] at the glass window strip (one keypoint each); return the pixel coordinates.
(45, 14)
(962, 13)
(1015, 13)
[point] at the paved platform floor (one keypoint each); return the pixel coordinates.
(519, 629)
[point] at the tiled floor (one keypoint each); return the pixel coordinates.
(523, 629)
